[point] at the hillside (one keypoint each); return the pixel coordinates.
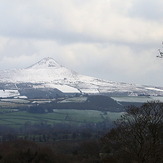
(47, 75)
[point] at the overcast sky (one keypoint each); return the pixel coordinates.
(116, 40)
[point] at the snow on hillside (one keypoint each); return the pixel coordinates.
(45, 63)
(62, 88)
(9, 93)
(47, 73)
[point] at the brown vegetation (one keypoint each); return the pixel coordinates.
(138, 135)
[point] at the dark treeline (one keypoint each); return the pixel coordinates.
(60, 143)
(25, 151)
(43, 132)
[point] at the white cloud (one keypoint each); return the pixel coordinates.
(111, 39)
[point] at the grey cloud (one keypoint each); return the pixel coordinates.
(38, 20)
(147, 9)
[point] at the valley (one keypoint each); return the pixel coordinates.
(49, 99)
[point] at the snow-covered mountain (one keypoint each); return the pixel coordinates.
(48, 74)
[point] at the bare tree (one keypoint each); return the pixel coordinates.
(138, 133)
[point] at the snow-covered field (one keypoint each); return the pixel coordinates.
(9, 93)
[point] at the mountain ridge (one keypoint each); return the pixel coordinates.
(44, 63)
(48, 74)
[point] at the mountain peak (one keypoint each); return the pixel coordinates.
(47, 62)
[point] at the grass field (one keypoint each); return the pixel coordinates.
(12, 113)
(58, 116)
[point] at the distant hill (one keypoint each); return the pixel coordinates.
(49, 79)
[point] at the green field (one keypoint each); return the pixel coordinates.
(12, 113)
(58, 116)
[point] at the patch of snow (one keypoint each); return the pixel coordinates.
(9, 93)
(45, 63)
(89, 91)
(22, 97)
(63, 88)
(41, 102)
(155, 89)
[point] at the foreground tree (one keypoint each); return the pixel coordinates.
(138, 135)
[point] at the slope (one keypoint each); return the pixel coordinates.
(47, 73)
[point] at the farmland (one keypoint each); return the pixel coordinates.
(71, 110)
(19, 118)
